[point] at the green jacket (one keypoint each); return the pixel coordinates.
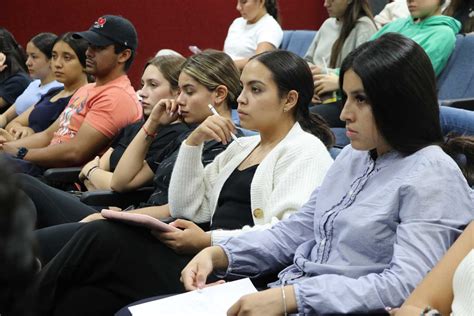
(437, 36)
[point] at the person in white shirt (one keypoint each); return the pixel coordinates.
(256, 31)
(394, 10)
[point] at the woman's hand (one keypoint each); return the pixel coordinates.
(85, 171)
(3, 59)
(326, 83)
(214, 127)
(5, 136)
(316, 99)
(268, 302)
(19, 132)
(164, 113)
(190, 240)
(91, 218)
(194, 275)
(315, 70)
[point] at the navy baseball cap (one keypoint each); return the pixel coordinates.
(111, 29)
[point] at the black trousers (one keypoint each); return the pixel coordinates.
(57, 214)
(53, 206)
(106, 266)
(24, 166)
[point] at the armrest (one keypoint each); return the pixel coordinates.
(62, 174)
(111, 198)
(62, 178)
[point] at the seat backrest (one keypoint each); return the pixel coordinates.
(457, 79)
(377, 5)
(297, 41)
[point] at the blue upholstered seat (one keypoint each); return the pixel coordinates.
(457, 79)
(297, 41)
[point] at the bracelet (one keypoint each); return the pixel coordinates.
(88, 174)
(148, 134)
(428, 311)
(283, 298)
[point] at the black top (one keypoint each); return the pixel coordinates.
(233, 209)
(164, 161)
(13, 86)
(45, 111)
(165, 136)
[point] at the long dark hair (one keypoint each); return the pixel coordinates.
(291, 72)
(459, 9)
(44, 42)
(15, 55)
(405, 113)
(355, 10)
(272, 8)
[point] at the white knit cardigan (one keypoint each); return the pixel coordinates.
(281, 184)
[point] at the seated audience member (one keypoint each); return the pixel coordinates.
(206, 78)
(449, 288)
(17, 259)
(350, 24)
(463, 11)
(13, 77)
(38, 52)
(434, 32)
(68, 64)
(381, 218)
(255, 32)
(392, 11)
(249, 186)
(96, 112)
(159, 81)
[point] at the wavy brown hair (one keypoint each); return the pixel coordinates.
(355, 10)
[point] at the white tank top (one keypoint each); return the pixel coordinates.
(463, 287)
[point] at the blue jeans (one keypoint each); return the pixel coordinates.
(456, 120)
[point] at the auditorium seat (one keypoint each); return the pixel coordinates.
(456, 82)
(297, 41)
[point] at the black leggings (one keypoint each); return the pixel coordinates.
(57, 215)
(119, 263)
(53, 206)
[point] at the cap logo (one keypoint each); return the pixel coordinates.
(100, 23)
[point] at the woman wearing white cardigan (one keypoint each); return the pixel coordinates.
(255, 181)
(281, 184)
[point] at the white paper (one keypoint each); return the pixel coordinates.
(214, 300)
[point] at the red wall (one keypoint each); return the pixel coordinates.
(160, 24)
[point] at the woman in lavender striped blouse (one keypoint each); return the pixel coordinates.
(389, 207)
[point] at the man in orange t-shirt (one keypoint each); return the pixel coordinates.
(96, 112)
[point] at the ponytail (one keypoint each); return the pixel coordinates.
(461, 149)
(272, 8)
(314, 124)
